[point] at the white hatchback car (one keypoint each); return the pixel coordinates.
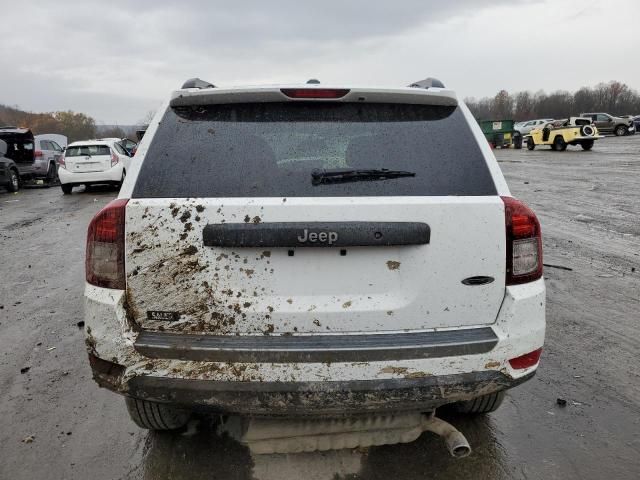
(93, 162)
(314, 252)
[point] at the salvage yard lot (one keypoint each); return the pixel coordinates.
(54, 419)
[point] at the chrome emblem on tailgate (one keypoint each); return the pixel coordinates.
(324, 237)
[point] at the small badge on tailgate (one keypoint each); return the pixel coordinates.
(162, 315)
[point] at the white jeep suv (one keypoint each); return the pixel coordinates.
(313, 250)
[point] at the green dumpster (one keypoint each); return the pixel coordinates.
(501, 133)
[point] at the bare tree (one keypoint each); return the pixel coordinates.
(613, 97)
(502, 105)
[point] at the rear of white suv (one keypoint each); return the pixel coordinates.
(313, 251)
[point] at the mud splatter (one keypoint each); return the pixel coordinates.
(393, 265)
(394, 370)
(417, 375)
(190, 250)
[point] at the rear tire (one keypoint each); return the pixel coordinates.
(156, 416)
(484, 404)
(620, 131)
(530, 144)
(118, 185)
(517, 142)
(587, 144)
(66, 188)
(13, 185)
(52, 174)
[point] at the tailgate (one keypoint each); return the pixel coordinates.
(177, 283)
(98, 163)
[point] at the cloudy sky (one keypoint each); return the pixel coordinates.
(118, 60)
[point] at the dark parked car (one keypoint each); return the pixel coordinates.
(19, 147)
(8, 171)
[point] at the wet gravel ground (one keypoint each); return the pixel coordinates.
(56, 423)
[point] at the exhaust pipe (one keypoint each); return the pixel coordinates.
(272, 435)
(456, 442)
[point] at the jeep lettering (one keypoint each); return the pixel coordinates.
(324, 237)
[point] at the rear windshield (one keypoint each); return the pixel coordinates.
(92, 150)
(272, 149)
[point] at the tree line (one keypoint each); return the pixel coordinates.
(76, 126)
(613, 97)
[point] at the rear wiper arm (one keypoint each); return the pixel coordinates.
(341, 175)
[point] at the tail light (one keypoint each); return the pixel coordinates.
(527, 360)
(37, 153)
(114, 158)
(315, 92)
(61, 161)
(104, 263)
(524, 243)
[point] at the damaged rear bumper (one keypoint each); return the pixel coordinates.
(319, 398)
(387, 371)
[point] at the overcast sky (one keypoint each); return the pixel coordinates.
(117, 60)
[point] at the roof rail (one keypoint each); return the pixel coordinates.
(197, 83)
(428, 83)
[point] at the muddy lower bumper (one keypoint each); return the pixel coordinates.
(314, 398)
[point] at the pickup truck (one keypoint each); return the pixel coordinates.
(606, 123)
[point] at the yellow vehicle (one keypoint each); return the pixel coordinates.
(561, 133)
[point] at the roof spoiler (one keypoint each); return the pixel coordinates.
(197, 83)
(428, 83)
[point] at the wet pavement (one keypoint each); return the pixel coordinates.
(56, 423)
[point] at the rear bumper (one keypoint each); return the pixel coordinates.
(279, 377)
(41, 167)
(113, 175)
(321, 398)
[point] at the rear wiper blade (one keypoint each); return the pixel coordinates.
(340, 175)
